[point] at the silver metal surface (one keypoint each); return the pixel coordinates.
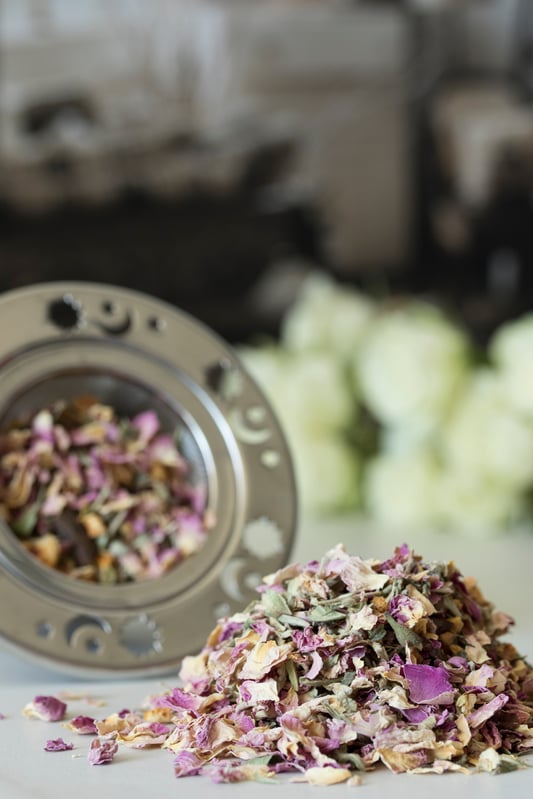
(60, 340)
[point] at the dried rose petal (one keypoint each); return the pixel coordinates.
(145, 734)
(102, 751)
(46, 708)
(83, 725)
(57, 745)
(187, 764)
(428, 685)
(328, 775)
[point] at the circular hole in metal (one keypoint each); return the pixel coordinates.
(44, 629)
(128, 398)
(157, 324)
(65, 312)
(256, 414)
(93, 646)
(140, 636)
(109, 307)
(270, 458)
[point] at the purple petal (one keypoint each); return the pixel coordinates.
(485, 712)
(48, 708)
(428, 685)
(102, 751)
(83, 725)
(57, 745)
(187, 764)
(147, 424)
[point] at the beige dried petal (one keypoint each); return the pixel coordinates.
(414, 593)
(464, 733)
(93, 524)
(118, 724)
(87, 572)
(158, 472)
(94, 432)
(489, 760)
(142, 735)
(399, 762)
(103, 413)
(263, 691)
(475, 652)
(56, 484)
(121, 503)
(326, 775)
(161, 714)
(194, 667)
(46, 548)
(465, 703)
(395, 697)
(12, 459)
(19, 489)
(68, 695)
(448, 750)
(439, 767)
(363, 619)
(263, 658)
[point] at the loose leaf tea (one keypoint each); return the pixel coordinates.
(340, 666)
(98, 496)
(344, 664)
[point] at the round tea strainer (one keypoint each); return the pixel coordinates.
(63, 340)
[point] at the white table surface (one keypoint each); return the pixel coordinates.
(503, 567)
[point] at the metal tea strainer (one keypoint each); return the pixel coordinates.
(62, 340)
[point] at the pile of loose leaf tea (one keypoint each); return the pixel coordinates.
(340, 666)
(346, 663)
(98, 496)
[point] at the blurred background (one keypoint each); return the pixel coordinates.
(219, 153)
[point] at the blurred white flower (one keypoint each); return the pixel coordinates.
(327, 317)
(402, 488)
(266, 364)
(510, 349)
(317, 397)
(454, 443)
(327, 473)
(473, 504)
(487, 437)
(311, 397)
(411, 365)
(309, 391)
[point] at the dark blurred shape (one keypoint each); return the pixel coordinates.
(202, 253)
(39, 118)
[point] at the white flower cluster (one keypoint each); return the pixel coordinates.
(388, 408)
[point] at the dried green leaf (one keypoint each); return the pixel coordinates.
(403, 634)
(291, 674)
(293, 621)
(275, 605)
(355, 760)
(321, 614)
